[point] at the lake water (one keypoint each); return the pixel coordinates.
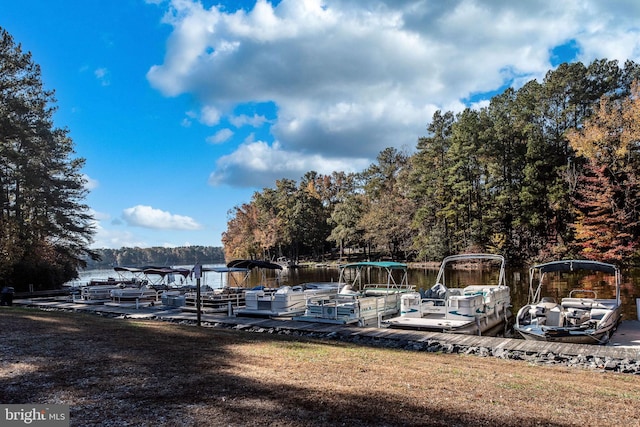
(517, 280)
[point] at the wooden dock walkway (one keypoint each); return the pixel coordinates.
(625, 343)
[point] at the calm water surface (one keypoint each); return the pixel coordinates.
(517, 280)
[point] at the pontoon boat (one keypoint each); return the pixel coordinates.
(475, 309)
(580, 317)
(359, 301)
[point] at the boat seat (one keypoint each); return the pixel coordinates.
(577, 315)
(547, 313)
(437, 291)
(581, 303)
(546, 306)
(537, 311)
(348, 290)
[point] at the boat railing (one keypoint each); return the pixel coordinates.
(575, 292)
(120, 299)
(377, 290)
(580, 303)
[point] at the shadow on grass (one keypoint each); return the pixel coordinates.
(115, 372)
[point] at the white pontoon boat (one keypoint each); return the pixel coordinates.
(475, 309)
(219, 300)
(360, 302)
(580, 317)
(98, 291)
(286, 301)
(232, 298)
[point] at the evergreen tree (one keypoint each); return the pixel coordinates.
(388, 212)
(345, 220)
(428, 188)
(466, 176)
(46, 227)
(505, 147)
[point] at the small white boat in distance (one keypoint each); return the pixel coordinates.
(96, 294)
(98, 291)
(132, 296)
(286, 263)
(477, 309)
(580, 317)
(359, 302)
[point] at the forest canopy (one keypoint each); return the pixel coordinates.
(546, 171)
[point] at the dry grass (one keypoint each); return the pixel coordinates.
(124, 372)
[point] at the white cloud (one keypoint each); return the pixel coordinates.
(220, 136)
(210, 115)
(90, 183)
(102, 74)
(148, 217)
(110, 238)
(349, 79)
(255, 163)
(100, 216)
(242, 120)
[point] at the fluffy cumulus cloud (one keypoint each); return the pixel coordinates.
(149, 217)
(272, 162)
(350, 78)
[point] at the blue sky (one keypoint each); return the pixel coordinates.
(182, 109)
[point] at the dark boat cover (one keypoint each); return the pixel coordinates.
(250, 263)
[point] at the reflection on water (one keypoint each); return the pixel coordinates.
(517, 280)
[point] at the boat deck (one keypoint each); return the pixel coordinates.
(624, 344)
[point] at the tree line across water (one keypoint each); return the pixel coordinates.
(547, 171)
(157, 256)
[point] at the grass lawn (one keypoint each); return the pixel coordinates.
(126, 372)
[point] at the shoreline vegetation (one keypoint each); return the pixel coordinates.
(132, 372)
(529, 176)
(212, 255)
(190, 255)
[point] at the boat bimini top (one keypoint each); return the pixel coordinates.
(570, 266)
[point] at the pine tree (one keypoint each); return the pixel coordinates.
(46, 227)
